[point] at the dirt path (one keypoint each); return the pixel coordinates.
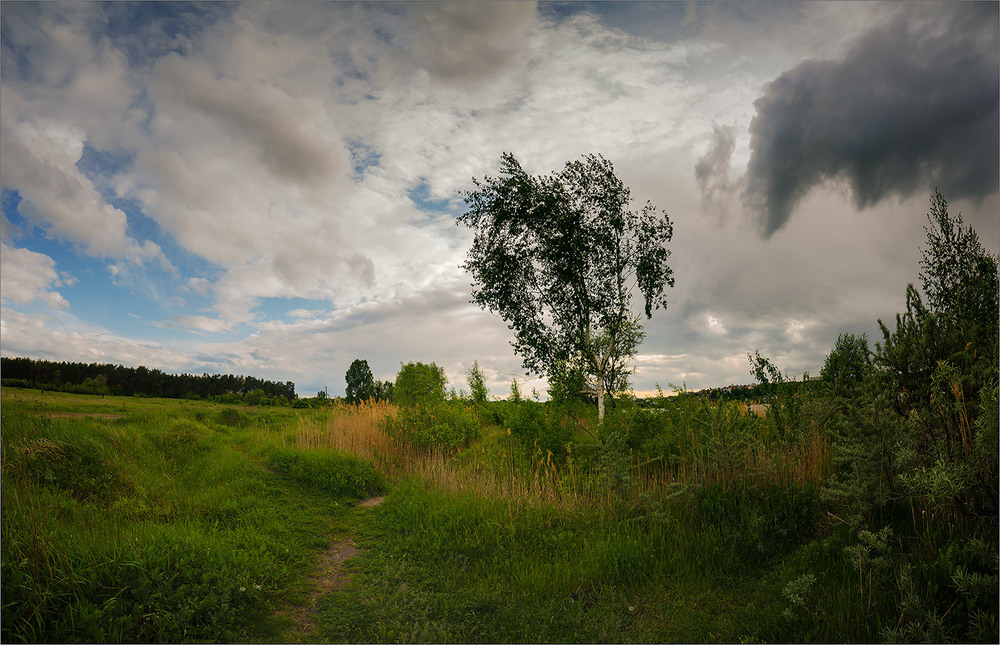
(328, 577)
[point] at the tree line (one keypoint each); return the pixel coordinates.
(118, 380)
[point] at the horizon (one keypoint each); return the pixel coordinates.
(669, 391)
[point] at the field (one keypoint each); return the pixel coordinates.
(134, 519)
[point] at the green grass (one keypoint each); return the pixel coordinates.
(444, 568)
(162, 522)
(153, 520)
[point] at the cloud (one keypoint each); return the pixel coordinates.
(469, 44)
(313, 152)
(40, 162)
(60, 336)
(711, 173)
(291, 134)
(911, 105)
(198, 324)
(29, 276)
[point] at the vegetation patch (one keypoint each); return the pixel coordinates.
(328, 471)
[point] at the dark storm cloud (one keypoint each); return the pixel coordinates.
(911, 106)
(712, 173)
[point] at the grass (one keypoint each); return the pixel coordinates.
(153, 520)
(162, 522)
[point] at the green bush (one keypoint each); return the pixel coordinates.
(231, 417)
(165, 584)
(756, 525)
(547, 427)
(419, 383)
(441, 425)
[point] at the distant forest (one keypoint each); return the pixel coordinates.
(117, 380)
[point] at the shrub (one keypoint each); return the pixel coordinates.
(231, 417)
(441, 425)
(419, 383)
(78, 467)
(549, 427)
(477, 384)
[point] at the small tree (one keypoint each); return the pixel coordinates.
(558, 258)
(477, 384)
(255, 397)
(848, 363)
(567, 382)
(959, 322)
(419, 383)
(360, 384)
(515, 392)
(939, 366)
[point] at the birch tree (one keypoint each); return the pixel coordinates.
(559, 258)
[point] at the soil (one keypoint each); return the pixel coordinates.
(328, 577)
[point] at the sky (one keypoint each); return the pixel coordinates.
(272, 189)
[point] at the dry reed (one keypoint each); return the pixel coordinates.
(356, 429)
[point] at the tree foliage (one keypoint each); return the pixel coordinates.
(419, 383)
(848, 363)
(477, 384)
(926, 427)
(558, 258)
(959, 322)
(98, 378)
(360, 383)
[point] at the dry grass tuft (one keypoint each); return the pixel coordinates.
(507, 475)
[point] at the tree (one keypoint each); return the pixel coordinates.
(567, 382)
(939, 371)
(419, 383)
(382, 390)
(960, 279)
(558, 257)
(477, 384)
(848, 363)
(255, 397)
(959, 322)
(515, 392)
(360, 384)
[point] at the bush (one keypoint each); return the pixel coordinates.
(758, 524)
(17, 382)
(441, 425)
(419, 383)
(231, 417)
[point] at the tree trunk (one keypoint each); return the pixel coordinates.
(600, 398)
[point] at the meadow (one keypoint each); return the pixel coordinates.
(682, 520)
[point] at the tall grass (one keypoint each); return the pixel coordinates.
(691, 520)
(500, 466)
(560, 544)
(150, 523)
